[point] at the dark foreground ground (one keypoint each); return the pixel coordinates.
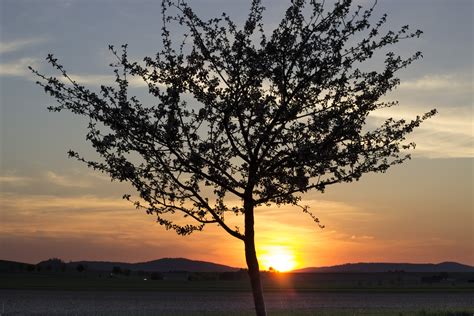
(330, 294)
(48, 302)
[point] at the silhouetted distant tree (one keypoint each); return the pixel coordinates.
(30, 267)
(116, 270)
(232, 276)
(156, 276)
(80, 267)
(53, 264)
(241, 113)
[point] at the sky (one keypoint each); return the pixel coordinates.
(52, 206)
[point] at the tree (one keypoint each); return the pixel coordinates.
(241, 113)
(80, 267)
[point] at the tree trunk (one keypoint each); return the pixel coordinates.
(254, 273)
(252, 262)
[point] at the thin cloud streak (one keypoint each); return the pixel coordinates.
(14, 180)
(19, 67)
(97, 80)
(434, 144)
(447, 135)
(44, 204)
(65, 181)
(448, 83)
(13, 46)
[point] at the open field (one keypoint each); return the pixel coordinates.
(27, 302)
(301, 282)
(327, 294)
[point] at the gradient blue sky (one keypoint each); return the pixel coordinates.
(52, 206)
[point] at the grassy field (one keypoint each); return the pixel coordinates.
(332, 312)
(325, 294)
(48, 302)
(351, 312)
(354, 282)
(355, 312)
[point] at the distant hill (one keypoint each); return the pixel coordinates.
(7, 266)
(386, 267)
(160, 265)
(182, 264)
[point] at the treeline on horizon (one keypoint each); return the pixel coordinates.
(56, 265)
(55, 273)
(187, 265)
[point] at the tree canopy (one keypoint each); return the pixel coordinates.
(243, 113)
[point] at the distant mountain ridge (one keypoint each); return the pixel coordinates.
(364, 267)
(160, 265)
(183, 264)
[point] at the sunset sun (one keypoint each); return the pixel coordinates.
(278, 258)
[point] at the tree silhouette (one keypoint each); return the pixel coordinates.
(116, 270)
(245, 114)
(80, 267)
